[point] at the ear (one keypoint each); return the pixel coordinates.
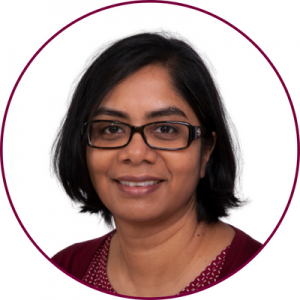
(205, 155)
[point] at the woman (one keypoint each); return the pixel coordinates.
(146, 142)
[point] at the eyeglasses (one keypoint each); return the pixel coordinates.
(168, 135)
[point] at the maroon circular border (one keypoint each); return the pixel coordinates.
(156, 2)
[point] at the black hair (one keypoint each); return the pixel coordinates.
(190, 78)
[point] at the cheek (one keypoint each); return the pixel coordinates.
(99, 163)
(185, 170)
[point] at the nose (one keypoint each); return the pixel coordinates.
(137, 151)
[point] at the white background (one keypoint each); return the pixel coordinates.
(253, 96)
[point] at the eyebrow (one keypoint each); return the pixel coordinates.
(110, 112)
(170, 111)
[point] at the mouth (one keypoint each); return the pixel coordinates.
(138, 186)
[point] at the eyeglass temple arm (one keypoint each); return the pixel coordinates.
(83, 129)
(197, 131)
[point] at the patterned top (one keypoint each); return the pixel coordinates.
(96, 273)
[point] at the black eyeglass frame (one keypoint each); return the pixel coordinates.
(194, 133)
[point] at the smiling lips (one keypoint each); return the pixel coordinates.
(138, 186)
(144, 183)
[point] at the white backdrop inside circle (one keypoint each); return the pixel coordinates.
(251, 91)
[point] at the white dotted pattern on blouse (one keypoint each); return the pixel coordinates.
(208, 276)
(96, 273)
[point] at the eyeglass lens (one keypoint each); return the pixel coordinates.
(160, 135)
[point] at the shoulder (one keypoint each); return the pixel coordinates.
(76, 258)
(242, 249)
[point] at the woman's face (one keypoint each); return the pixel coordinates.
(178, 172)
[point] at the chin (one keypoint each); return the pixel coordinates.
(141, 215)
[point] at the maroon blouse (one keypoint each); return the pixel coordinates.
(96, 273)
(76, 259)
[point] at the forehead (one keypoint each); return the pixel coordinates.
(147, 90)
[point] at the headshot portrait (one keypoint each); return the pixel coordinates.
(152, 153)
(149, 165)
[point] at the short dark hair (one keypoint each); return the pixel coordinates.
(190, 78)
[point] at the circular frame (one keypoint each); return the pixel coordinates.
(139, 2)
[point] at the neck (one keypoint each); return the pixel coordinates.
(152, 256)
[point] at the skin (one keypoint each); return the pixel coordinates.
(159, 247)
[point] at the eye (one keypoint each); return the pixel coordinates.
(111, 129)
(166, 129)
